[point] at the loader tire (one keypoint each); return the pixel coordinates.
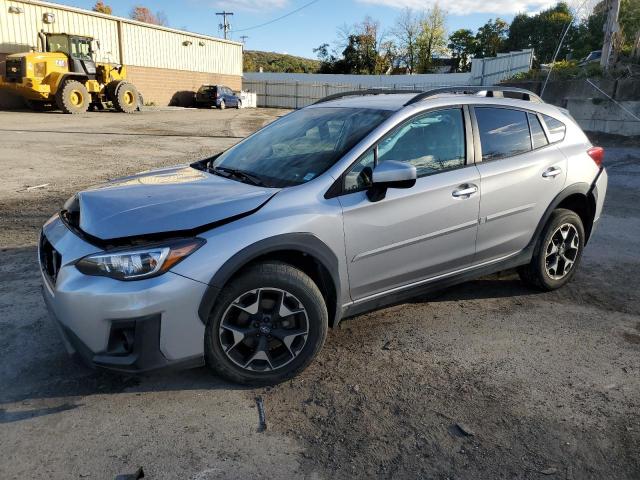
(126, 100)
(110, 90)
(72, 97)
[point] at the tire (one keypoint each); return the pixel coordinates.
(239, 104)
(110, 90)
(72, 97)
(281, 302)
(556, 257)
(126, 98)
(222, 105)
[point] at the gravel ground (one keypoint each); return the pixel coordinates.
(484, 380)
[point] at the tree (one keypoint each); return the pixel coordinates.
(542, 32)
(630, 20)
(462, 44)
(102, 8)
(491, 38)
(143, 14)
(406, 31)
(432, 39)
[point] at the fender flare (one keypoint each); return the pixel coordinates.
(306, 243)
(581, 188)
(60, 78)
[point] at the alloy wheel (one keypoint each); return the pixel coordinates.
(562, 251)
(264, 329)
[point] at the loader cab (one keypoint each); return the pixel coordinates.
(77, 49)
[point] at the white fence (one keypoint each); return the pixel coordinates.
(297, 90)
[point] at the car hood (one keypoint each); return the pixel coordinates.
(169, 200)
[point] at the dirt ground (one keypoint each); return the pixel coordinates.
(485, 380)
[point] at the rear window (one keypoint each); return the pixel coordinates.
(556, 128)
(503, 132)
(207, 89)
(538, 138)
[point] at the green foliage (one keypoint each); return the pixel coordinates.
(562, 70)
(630, 20)
(278, 62)
(587, 36)
(432, 39)
(491, 38)
(462, 44)
(541, 32)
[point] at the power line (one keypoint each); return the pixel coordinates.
(279, 18)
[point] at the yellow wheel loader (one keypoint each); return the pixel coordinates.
(65, 75)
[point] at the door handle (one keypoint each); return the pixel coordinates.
(464, 191)
(552, 172)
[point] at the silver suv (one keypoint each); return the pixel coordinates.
(243, 260)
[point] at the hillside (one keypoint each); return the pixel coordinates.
(278, 62)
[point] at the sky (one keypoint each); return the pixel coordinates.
(313, 25)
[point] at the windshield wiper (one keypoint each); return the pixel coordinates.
(239, 174)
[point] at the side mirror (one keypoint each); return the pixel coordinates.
(391, 174)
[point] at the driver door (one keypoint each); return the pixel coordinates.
(413, 234)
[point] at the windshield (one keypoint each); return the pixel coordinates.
(300, 146)
(58, 43)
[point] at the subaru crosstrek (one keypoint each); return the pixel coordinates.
(243, 260)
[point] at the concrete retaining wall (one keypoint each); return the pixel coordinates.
(596, 111)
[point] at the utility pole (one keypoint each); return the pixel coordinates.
(224, 26)
(611, 28)
(243, 38)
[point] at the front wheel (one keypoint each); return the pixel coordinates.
(239, 104)
(126, 98)
(72, 97)
(267, 325)
(557, 253)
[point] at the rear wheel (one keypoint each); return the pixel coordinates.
(267, 326)
(558, 252)
(73, 97)
(126, 98)
(239, 104)
(222, 105)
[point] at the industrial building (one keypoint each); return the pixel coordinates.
(165, 64)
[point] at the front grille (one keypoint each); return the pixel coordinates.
(14, 68)
(50, 259)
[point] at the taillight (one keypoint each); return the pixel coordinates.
(597, 155)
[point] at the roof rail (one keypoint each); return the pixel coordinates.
(489, 91)
(369, 91)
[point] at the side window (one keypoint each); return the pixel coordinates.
(556, 128)
(360, 175)
(432, 142)
(538, 137)
(503, 132)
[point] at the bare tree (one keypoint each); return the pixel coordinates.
(406, 32)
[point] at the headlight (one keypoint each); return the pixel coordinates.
(138, 263)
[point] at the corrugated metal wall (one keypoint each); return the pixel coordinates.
(151, 47)
(143, 45)
(489, 71)
(296, 90)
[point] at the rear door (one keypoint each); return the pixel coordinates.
(521, 172)
(416, 233)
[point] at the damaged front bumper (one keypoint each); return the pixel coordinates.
(132, 326)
